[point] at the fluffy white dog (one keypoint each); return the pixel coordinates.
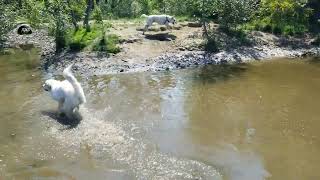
(160, 19)
(68, 93)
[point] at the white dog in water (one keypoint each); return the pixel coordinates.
(68, 93)
(160, 19)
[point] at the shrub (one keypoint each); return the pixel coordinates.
(108, 44)
(288, 30)
(267, 25)
(232, 13)
(289, 17)
(276, 29)
(7, 16)
(111, 42)
(211, 43)
(77, 40)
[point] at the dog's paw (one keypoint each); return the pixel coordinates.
(61, 115)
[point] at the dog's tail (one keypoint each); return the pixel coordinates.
(144, 16)
(76, 85)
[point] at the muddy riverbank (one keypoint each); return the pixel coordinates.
(160, 50)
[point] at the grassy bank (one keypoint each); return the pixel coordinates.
(97, 39)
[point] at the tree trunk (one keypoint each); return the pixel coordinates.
(20, 3)
(73, 16)
(203, 21)
(87, 14)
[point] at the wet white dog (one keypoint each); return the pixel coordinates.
(68, 93)
(160, 19)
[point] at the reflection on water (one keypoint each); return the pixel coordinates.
(238, 122)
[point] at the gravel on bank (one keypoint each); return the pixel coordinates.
(92, 63)
(89, 64)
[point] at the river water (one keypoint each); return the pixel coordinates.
(239, 122)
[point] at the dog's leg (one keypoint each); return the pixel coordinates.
(76, 109)
(67, 108)
(169, 27)
(69, 113)
(60, 108)
(145, 28)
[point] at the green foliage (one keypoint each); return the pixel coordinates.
(112, 41)
(97, 14)
(121, 8)
(77, 7)
(57, 15)
(7, 16)
(288, 17)
(78, 40)
(239, 36)
(108, 44)
(286, 11)
(33, 12)
(95, 38)
(211, 44)
(234, 12)
(202, 9)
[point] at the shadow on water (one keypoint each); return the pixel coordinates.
(222, 72)
(314, 60)
(71, 123)
(161, 37)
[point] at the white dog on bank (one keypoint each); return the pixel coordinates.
(160, 19)
(68, 93)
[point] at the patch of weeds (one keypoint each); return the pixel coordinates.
(211, 44)
(236, 36)
(77, 40)
(276, 30)
(107, 25)
(267, 28)
(284, 28)
(108, 44)
(259, 25)
(288, 30)
(183, 18)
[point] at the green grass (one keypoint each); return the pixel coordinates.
(108, 44)
(266, 25)
(183, 18)
(78, 40)
(94, 40)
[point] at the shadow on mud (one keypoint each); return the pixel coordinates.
(63, 120)
(161, 37)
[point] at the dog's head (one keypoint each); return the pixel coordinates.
(172, 20)
(47, 86)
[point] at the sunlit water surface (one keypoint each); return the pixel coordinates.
(238, 122)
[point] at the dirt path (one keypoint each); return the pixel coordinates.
(137, 47)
